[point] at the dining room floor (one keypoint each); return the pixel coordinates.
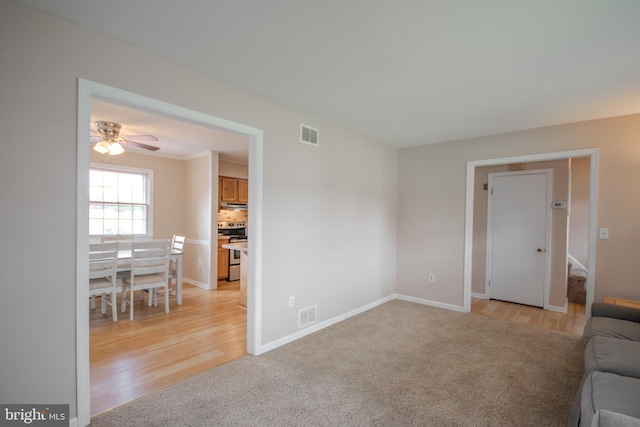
(129, 359)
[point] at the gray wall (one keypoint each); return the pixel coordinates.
(432, 186)
(347, 187)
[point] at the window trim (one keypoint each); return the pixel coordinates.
(142, 171)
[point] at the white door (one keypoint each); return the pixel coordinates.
(518, 236)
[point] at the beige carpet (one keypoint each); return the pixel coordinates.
(400, 364)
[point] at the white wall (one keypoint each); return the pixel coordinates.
(234, 170)
(198, 268)
(336, 250)
(431, 220)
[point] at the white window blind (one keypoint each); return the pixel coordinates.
(119, 201)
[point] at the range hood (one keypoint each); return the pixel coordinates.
(233, 206)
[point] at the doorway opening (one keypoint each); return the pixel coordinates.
(471, 234)
(519, 236)
(86, 92)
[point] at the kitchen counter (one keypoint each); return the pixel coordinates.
(237, 246)
(244, 252)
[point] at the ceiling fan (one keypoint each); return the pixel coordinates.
(110, 141)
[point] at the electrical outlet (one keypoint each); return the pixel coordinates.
(291, 302)
(432, 277)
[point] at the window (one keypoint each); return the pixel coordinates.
(119, 201)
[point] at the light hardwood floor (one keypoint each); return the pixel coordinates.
(129, 359)
(573, 321)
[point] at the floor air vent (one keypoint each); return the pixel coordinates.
(309, 135)
(307, 316)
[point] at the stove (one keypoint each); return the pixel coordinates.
(237, 232)
(233, 229)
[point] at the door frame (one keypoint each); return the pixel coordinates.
(591, 153)
(547, 231)
(88, 90)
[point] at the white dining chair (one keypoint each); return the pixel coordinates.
(124, 242)
(149, 271)
(103, 265)
(177, 245)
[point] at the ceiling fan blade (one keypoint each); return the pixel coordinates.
(148, 138)
(140, 145)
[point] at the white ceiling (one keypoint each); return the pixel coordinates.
(406, 72)
(176, 138)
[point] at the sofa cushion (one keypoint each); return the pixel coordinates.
(610, 327)
(604, 418)
(610, 392)
(603, 309)
(607, 354)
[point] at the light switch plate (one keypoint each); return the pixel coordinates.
(604, 233)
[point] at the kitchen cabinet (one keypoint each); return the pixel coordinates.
(233, 190)
(223, 258)
(243, 191)
(228, 189)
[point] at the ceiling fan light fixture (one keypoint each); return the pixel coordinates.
(111, 141)
(115, 148)
(102, 147)
(110, 147)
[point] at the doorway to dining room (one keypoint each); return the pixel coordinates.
(212, 308)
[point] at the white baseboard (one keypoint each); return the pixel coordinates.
(478, 295)
(431, 303)
(198, 284)
(557, 308)
(307, 331)
(549, 307)
(318, 326)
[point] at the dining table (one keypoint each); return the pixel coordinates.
(124, 265)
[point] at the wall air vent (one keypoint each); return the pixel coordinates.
(307, 316)
(309, 135)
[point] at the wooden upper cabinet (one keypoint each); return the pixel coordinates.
(228, 189)
(233, 190)
(243, 190)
